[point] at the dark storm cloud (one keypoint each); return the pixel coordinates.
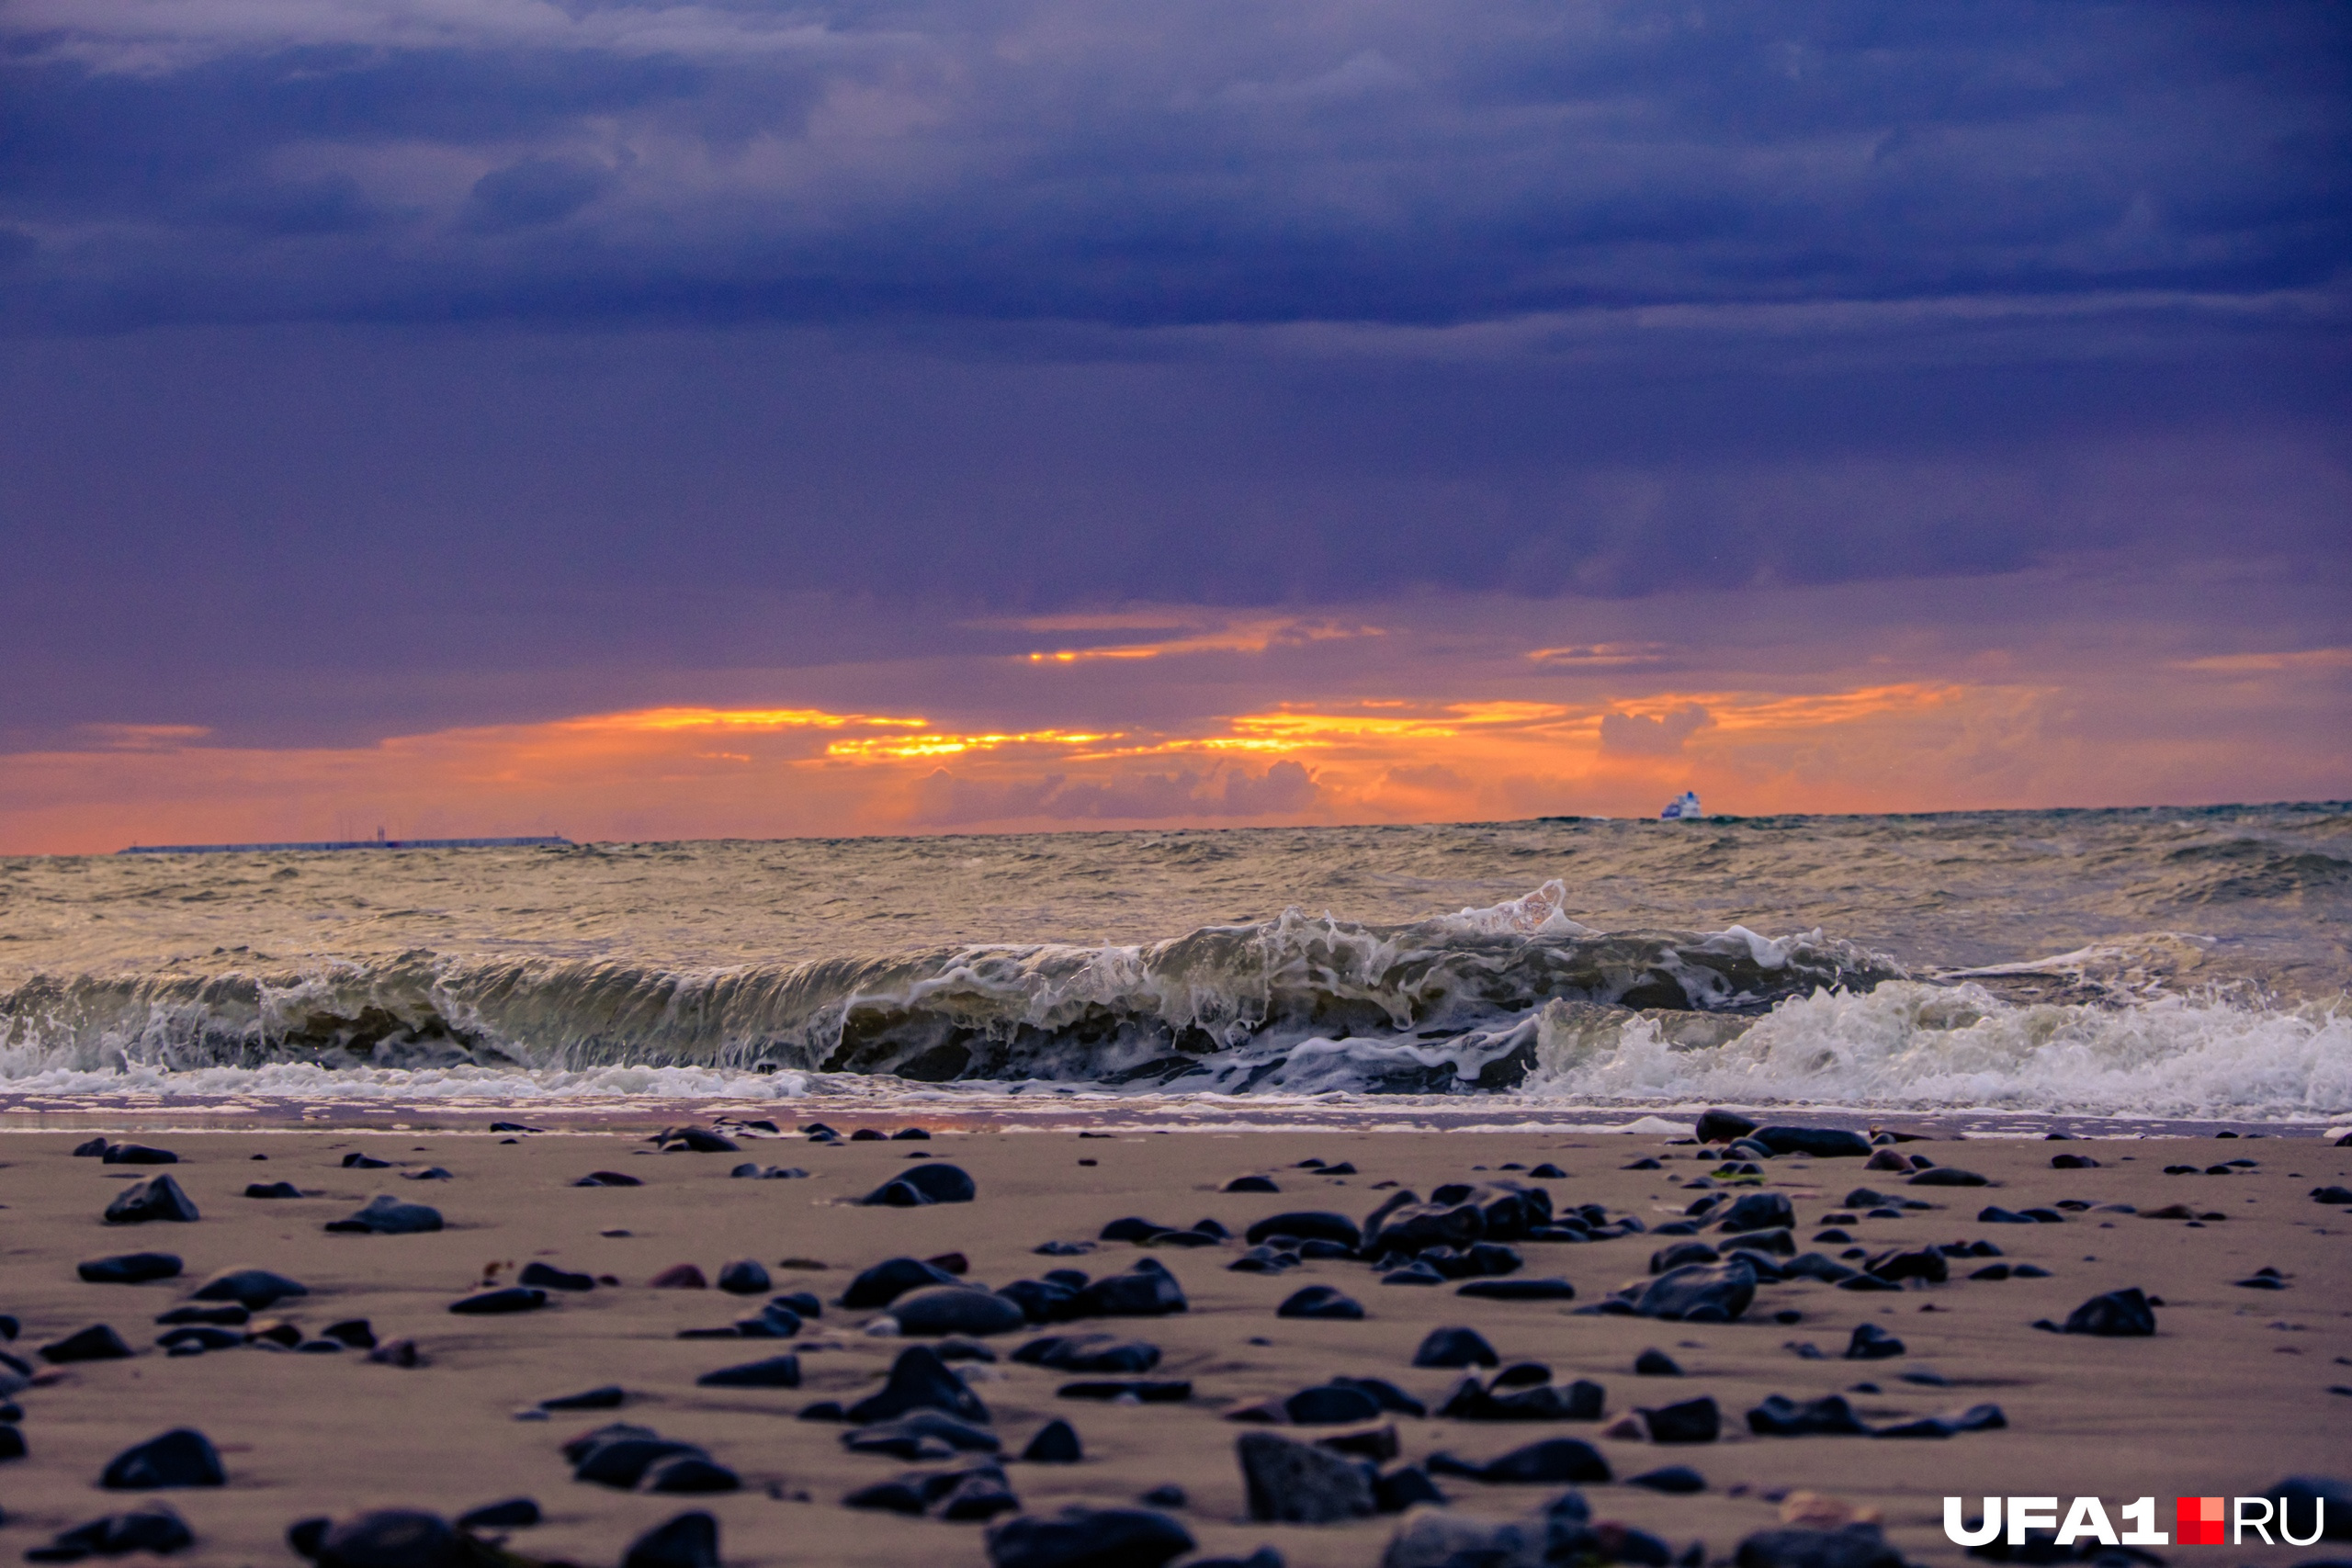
(1097, 161)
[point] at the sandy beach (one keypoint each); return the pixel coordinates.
(2231, 1393)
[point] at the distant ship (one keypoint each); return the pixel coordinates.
(378, 842)
(1685, 809)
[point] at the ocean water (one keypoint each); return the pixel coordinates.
(2177, 963)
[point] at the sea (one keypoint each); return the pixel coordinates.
(2106, 969)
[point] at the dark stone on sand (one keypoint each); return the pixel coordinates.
(1456, 1348)
(697, 1141)
(690, 1540)
(692, 1474)
(97, 1343)
(513, 1298)
(228, 1316)
(253, 1289)
(1975, 1418)
(1055, 1443)
(128, 1268)
(679, 1277)
(2332, 1194)
(1667, 1258)
(1855, 1546)
(1872, 1343)
(2073, 1162)
(154, 1528)
(548, 1277)
(159, 1198)
(181, 1457)
(272, 1190)
(1699, 1292)
(1657, 1363)
(1090, 1353)
(890, 1280)
(1405, 1487)
(387, 1216)
(511, 1127)
(513, 1514)
(1927, 1263)
(94, 1148)
(919, 1380)
(357, 1161)
(1947, 1175)
(1144, 1392)
(1086, 1537)
(12, 1438)
(1320, 1301)
(983, 1493)
(1148, 1290)
(1780, 1417)
(886, 1497)
(430, 1173)
(1518, 1290)
(1045, 1301)
(391, 1537)
(608, 1179)
(609, 1397)
(1675, 1479)
(1415, 1273)
(1294, 1482)
(1169, 1495)
(1306, 1226)
(1504, 1401)
(1135, 1228)
(1722, 1126)
(1330, 1405)
(1691, 1421)
(2126, 1313)
(137, 1153)
(921, 1435)
(1251, 1184)
(622, 1460)
(1821, 1143)
(1759, 1212)
(805, 1303)
(744, 1277)
(1551, 1462)
(956, 1309)
(195, 1338)
(775, 1371)
(921, 1185)
(912, 1136)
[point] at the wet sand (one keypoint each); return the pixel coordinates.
(2230, 1394)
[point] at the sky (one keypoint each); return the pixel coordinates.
(728, 418)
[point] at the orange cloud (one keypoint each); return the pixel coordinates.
(1238, 636)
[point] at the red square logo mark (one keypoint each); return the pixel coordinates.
(2199, 1521)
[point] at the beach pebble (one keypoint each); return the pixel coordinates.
(128, 1268)
(694, 1139)
(1306, 1226)
(1657, 1363)
(1090, 1353)
(609, 1397)
(621, 1461)
(2332, 1194)
(1055, 1443)
(97, 1343)
(181, 1457)
(1455, 1346)
(1699, 1292)
(1691, 1421)
(1330, 1405)
(679, 1277)
(386, 1215)
(692, 1474)
(385, 1538)
(159, 1198)
(921, 1185)
(512, 1298)
(1148, 1290)
(887, 1280)
(1676, 1480)
(744, 1277)
(1554, 1462)
(94, 1148)
(137, 1153)
(430, 1173)
(1086, 1537)
(229, 1317)
(272, 1190)
(1975, 1418)
(1509, 1399)
(1947, 1175)
(253, 1289)
(921, 1435)
(1320, 1301)
(1780, 1417)
(956, 1309)
(354, 1333)
(154, 1528)
(357, 1161)
(752, 1172)
(2073, 1162)
(1925, 1263)
(1434, 1540)
(195, 1339)
(1853, 1546)
(919, 1380)
(1759, 1212)
(775, 1371)
(1722, 1126)
(608, 1179)
(1128, 1391)
(12, 1437)
(1294, 1482)
(1518, 1290)
(515, 1512)
(548, 1277)
(399, 1353)
(690, 1540)
(1872, 1343)
(2126, 1313)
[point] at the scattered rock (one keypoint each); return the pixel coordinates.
(97, 1343)
(1456, 1348)
(1821, 1143)
(775, 1371)
(1294, 1482)
(1947, 1175)
(694, 1141)
(399, 1353)
(94, 1148)
(692, 1474)
(1090, 1353)
(1554, 1462)
(1657, 1363)
(921, 1185)
(548, 1277)
(1872, 1343)
(227, 1316)
(690, 1540)
(255, 1289)
(154, 1529)
(1135, 1391)
(128, 1268)
(1148, 1290)
(181, 1457)
(1251, 1184)
(512, 1298)
(159, 1198)
(1320, 1301)
(1519, 1290)
(1307, 1225)
(919, 1380)
(1085, 1537)
(272, 1190)
(679, 1277)
(1676, 1480)
(2116, 1314)
(2332, 1194)
(887, 1280)
(515, 1513)
(137, 1153)
(2073, 1162)
(1691, 1421)
(744, 1277)
(1975, 1418)
(1055, 1443)
(1780, 1417)
(387, 1537)
(609, 1397)
(387, 1216)
(608, 1179)
(1699, 1292)
(355, 1160)
(1513, 1399)
(956, 1309)
(1722, 1126)
(751, 1170)
(920, 1435)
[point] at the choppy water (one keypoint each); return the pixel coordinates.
(2161, 963)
